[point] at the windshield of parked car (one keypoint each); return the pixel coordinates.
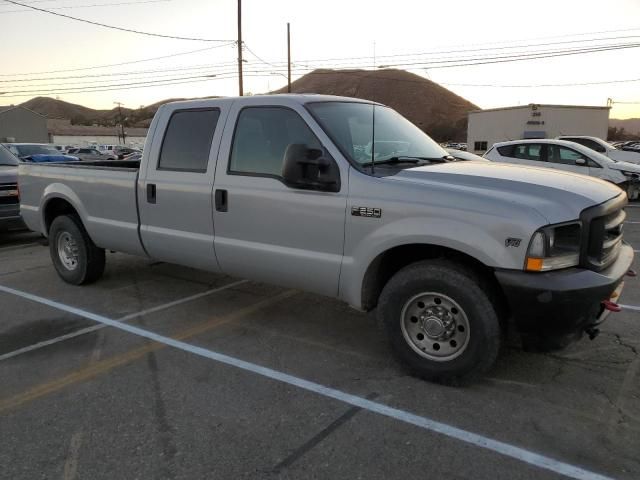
(27, 150)
(351, 126)
(7, 158)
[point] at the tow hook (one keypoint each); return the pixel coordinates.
(611, 306)
(632, 273)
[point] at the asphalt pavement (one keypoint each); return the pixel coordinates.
(207, 376)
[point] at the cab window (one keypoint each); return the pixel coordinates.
(262, 136)
(187, 140)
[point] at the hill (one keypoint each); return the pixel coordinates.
(80, 115)
(438, 111)
(53, 108)
(630, 125)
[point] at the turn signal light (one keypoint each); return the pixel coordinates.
(534, 264)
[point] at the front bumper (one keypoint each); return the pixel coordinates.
(563, 302)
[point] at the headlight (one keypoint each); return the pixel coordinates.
(554, 247)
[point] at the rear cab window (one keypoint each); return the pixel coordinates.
(187, 140)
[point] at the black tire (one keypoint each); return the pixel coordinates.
(472, 306)
(89, 259)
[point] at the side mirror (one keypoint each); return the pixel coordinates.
(581, 161)
(310, 168)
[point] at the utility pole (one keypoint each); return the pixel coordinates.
(288, 58)
(240, 89)
(124, 139)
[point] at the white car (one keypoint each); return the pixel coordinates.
(605, 148)
(91, 154)
(571, 157)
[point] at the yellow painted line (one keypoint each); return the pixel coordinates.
(106, 365)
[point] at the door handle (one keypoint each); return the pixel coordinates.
(151, 192)
(222, 204)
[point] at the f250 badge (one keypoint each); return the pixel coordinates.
(512, 242)
(366, 212)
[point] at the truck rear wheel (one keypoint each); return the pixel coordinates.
(76, 258)
(440, 322)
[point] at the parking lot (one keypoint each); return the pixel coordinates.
(207, 376)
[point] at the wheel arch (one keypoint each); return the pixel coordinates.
(389, 262)
(57, 202)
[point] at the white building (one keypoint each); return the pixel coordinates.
(486, 127)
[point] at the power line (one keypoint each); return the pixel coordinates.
(93, 67)
(91, 22)
(123, 88)
(476, 49)
(606, 82)
(69, 7)
(118, 74)
(112, 85)
(256, 56)
(101, 82)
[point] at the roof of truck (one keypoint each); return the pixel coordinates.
(301, 98)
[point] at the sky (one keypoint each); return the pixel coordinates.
(419, 36)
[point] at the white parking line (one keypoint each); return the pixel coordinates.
(630, 307)
(502, 448)
(83, 331)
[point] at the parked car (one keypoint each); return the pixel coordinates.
(38, 152)
(462, 155)
(91, 154)
(569, 157)
(605, 148)
(631, 147)
(122, 152)
(134, 157)
(446, 252)
(9, 195)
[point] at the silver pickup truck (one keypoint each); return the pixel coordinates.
(346, 198)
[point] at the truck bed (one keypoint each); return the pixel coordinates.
(103, 193)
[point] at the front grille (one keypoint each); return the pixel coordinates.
(603, 233)
(9, 194)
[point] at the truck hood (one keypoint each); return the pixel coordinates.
(8, 174)
(556, 195)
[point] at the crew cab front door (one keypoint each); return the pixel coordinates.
(264, 229)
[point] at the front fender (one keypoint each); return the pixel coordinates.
(482, 240)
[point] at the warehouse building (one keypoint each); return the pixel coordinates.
(486, 127)
(19, 124)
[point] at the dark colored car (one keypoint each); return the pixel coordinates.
(9, 195)
(123, 152)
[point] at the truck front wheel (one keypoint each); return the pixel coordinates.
(440, 321)
(76, 258)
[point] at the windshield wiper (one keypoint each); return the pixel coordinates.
(406, 159)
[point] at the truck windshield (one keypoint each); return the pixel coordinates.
(350, 126)
(7, 158)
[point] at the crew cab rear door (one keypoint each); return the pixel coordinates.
(266, 230)
(176, 182)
